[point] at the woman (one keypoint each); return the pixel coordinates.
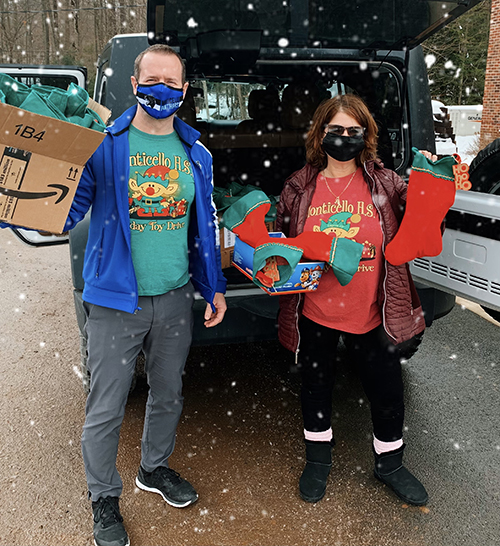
(344, 190)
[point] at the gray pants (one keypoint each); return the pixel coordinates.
(163, 330)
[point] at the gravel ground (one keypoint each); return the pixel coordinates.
(239, 442)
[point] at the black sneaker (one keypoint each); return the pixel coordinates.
(108, 523)
(167, 482)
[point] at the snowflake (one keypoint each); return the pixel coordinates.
(430, 60)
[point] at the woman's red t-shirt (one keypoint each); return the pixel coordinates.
(344, 209)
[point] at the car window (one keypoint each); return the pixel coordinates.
(258, 128)
(223, 100)
(61, 82)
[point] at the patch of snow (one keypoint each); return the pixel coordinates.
(463, 147)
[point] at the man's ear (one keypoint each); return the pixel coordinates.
(134, 83)
(184, 89)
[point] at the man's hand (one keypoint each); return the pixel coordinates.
(211, 318)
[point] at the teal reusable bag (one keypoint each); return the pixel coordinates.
(58, 99)
(85, 121)
(97, 122)
(14, 92)
(38, 104)
(78, 100)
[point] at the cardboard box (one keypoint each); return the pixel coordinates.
(41, 162)
(227, 239)
(226, 247)
(305, 277)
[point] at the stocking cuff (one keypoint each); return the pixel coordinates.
(236, 214)
(291, 256)
(345, 255)
(442, 168)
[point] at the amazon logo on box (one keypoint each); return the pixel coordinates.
(41, 162)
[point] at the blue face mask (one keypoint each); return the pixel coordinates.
(159, 100)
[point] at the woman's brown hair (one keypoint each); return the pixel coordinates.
(352, 106)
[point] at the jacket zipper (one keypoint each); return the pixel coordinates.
(383, 248)
(99, 259)
(300, 190)
(298, 330)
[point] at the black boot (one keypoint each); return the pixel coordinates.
(389, 469)
(312, 483)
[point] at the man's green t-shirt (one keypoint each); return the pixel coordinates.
(161, 191)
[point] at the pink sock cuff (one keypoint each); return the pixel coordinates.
(384, 447)
(324, 436)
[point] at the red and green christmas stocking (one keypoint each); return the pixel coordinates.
(275, 259)
(431, 193)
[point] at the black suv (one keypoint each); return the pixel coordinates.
(257, 71)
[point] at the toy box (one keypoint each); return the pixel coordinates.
(305, 277)
(227, 240)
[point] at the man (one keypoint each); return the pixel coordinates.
(153, 230)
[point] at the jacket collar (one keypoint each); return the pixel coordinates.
(373, 165)
(186, 133)
(305, 176)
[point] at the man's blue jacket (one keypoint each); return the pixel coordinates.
(108, 270)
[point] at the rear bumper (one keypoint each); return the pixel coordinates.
(247, 319)
(252, 315)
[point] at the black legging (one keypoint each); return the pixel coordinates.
(379, 368)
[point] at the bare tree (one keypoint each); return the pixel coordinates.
(65, 31)
(13, 29)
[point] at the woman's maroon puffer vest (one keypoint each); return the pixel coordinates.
(401, 310)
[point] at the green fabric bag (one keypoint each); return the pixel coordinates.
(85, 121)
(78, 100)
(69, 105)
(97, 123)
(35, 103)
(58, 99)
(90, 120)
(15, 92)
(44, 90)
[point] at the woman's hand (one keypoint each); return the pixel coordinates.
(428, 155)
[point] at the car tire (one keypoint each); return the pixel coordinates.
(484, 175)
(484, 170)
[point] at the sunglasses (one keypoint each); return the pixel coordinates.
(338, 130)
